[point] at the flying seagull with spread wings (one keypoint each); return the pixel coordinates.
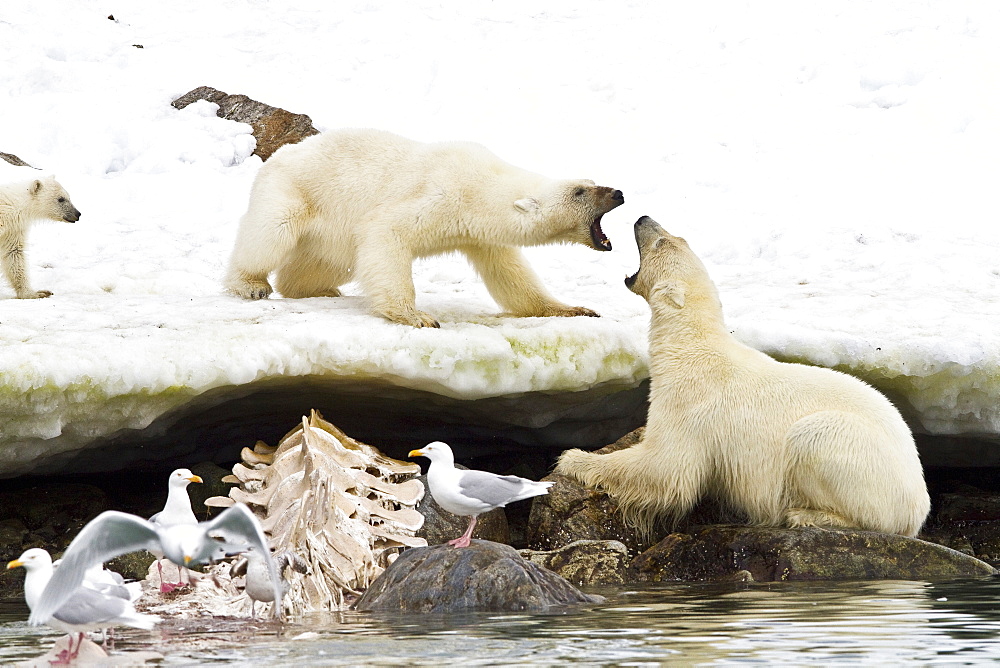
(113, 533)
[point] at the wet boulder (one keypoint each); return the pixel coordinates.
(485, 576)
(571, 512)
(968, 505)
(769, 554)
(585, 562)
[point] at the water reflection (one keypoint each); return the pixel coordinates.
(786, 623)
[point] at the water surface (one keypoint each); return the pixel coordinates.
(888, 622)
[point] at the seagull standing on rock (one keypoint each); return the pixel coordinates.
(176, 511)
(84, 607)
(471, 493)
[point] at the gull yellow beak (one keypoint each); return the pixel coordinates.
(416, 453)
(196, 478)
(14, 564)
(187, 560)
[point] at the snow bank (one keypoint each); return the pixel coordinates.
(834, 165)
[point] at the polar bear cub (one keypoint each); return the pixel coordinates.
(20, 204)
(788, 444)
(363, 204)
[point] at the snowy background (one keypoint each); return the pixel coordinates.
(835, 165)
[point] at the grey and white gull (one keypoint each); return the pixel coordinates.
(258, 585)
(113, 533)
(177, 510)
(86, 606)
(470, 493)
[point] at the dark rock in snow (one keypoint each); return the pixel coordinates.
(484, 576)
(769, 554)
(14, 160)
(272, 127)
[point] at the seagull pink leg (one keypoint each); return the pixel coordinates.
(79, 644)
(466, 538)
(165, 587)
(65, 656)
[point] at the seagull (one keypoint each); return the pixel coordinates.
(176, 511)
(258, 582)
(470, 493)
(113, 533)
(109, 583)
(83, 608)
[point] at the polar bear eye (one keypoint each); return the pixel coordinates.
(62, 200)
(579, 192)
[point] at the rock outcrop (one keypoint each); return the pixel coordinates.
(585, 562)
(571, 512)
(482, 577)
(720, 551)
(272, 127)
(14, 160)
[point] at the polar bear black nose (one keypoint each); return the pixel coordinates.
(618, 196)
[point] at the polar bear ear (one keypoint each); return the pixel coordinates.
(526, 205)
(35, 187)
(671, 292)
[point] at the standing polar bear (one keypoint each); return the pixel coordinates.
(363, 204)
(20, 204)
(788, 444)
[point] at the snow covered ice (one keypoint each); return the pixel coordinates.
(834, 165)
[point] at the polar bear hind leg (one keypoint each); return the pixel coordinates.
(846, 471)
(806, 517)
(268, 232)
(307, 273)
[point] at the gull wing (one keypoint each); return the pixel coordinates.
(238, 524)
(490, 488)
(88, 607)
(105, 537)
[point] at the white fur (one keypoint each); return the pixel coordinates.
(22, 203)
(363, 204)
(788, 444)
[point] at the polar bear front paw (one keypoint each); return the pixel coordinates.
(571, 311)
(573, 464)
(251, 289)
(34, 294)
(412, 318)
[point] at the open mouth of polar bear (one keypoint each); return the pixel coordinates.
(630, 280)
(601, 242)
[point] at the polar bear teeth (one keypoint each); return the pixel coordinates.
(601, 242)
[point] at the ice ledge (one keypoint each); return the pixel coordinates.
(79, 372)
(169, 375)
